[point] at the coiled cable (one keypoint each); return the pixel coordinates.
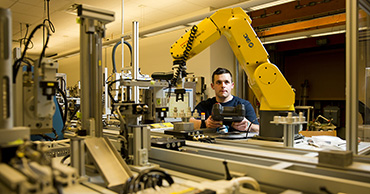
(182, 61)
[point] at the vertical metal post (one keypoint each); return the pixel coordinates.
(98, 106)
(106, 99)
(135, 59)
(351, 75)
(91, 76)
(75, 154)
(85, 71)
(78, 155)
(92, 30)
(122, 33)
(140, 144)
(8, 132)
(6, 78)
(237, 77)
(81, 156)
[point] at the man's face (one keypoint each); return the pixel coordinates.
(222, 85)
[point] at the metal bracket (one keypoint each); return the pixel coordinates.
(85, 11)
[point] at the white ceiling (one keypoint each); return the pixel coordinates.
(66, 36)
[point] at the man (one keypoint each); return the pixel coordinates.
(222, 84)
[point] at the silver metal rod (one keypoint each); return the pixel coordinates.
(123, 32)
(135, 60)
(351, 75)
(285, 136)
(106, 99)
(81, 148)
(98, 89)
(75, 154)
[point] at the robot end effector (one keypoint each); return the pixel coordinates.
(176, 78)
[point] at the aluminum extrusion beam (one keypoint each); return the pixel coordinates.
(351, 75)
(135, 59)
(279, 176)
(92, 30)
(6, 102)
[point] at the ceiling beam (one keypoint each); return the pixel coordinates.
(335, 20)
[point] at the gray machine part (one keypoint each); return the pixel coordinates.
(200, 88)
(138, 136)
(332, 112)
(38, 102)
(139, 144)
(270, 131)
(6, 113)
(7, 131)
(108, 161)
(275, 169)
(183, 126)
(92, 30)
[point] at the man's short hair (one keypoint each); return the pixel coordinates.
(220, 71)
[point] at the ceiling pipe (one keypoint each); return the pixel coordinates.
(182, 20)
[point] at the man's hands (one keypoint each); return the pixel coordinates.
(243, 125)
(210, 123)
(240, 126)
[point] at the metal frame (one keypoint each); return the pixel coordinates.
(352, 59)
(92, 30)
(273, 175)
(8, 132)
(135, 59)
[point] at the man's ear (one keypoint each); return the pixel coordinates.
(232, 85)
(212, 85)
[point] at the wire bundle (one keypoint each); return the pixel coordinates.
(185, 55)
(147, 179)
(18, 62)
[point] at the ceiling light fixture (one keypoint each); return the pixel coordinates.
(328, 33)
(164, 31)
(284, 40)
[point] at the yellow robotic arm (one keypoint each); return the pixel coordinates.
(265, 79)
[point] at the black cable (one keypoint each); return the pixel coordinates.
(249, 127)
(114, 53)
(64, 86)
(65, 158)
(324, 189)
(46, 137)
(65, 107)
(29, 59)
(182, 61)
(51, 25)
(77, 107)
(149, 178)
(46, 44)
(55, 133)
(227, 172)
(110, 89)
(17, 63)
(24, 39)
(59, 187)
(185, 55)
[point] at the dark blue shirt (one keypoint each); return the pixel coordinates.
(206, 107)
